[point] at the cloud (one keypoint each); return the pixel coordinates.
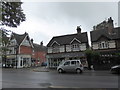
(47, 19)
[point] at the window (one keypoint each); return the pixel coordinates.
(75, 47)
(73, 62)
(103, 45)
(55, 49)
(67, 63)
(21, 63)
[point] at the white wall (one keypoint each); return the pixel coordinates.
(62, 49)
(83, 47)
(95, 46)
(68, 48)
(49, 50)
(112, 44)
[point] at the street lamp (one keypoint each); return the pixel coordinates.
(16, 48)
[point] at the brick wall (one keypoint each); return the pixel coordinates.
(25, 50)
(41, 55)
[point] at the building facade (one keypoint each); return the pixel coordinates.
(19, 51)
(39, 54)
(22, 52)
(105, 39)
(66, 47)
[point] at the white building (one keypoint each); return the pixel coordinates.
(20, 51)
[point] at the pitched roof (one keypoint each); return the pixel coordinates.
(96, 34)
(38, 47)
(66, 39)
(19, 37)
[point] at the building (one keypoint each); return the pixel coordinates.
(20, 50)
(39, 54)
(66, 47)
(105, 39)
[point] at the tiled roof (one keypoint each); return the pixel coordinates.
(38, 47)
(95, 35)
(19, 38)
(66, 39)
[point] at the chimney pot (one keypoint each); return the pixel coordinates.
(78, 29)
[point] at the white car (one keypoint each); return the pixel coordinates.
(70, 66)
(115, 69)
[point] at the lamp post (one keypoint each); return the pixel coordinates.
(16, 48)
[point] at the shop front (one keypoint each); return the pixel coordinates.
(53, 60)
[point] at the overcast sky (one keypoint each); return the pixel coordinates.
(47, 19)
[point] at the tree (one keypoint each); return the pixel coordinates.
(95, 59)
(89, 53)
(11, 13)
(4, 41)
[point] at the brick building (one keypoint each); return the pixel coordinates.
(23, 52)
(39, 54)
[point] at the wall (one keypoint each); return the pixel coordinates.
(25, 50)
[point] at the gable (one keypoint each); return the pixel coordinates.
(75, 41)
(103, 38)
(26, 42)
(13, 42)
(55, 43)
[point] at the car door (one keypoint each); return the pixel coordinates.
(73, 65)
(66, 66)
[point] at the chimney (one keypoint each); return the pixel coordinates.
(78, 30)
(41, 43)
(32, 40)
(110, 26)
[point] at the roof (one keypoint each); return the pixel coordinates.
(66, 39)
(19, 37)
(96, 34)
(38, 47)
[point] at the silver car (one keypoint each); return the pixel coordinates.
(70, 66)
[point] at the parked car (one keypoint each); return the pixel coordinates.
(115, 69)
(70, 66)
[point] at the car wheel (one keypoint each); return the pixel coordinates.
(78, 71)
(60, 70)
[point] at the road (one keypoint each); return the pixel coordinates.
(28, 78)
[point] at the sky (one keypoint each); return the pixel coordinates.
(47, 19)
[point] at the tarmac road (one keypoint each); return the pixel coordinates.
(45, 78)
